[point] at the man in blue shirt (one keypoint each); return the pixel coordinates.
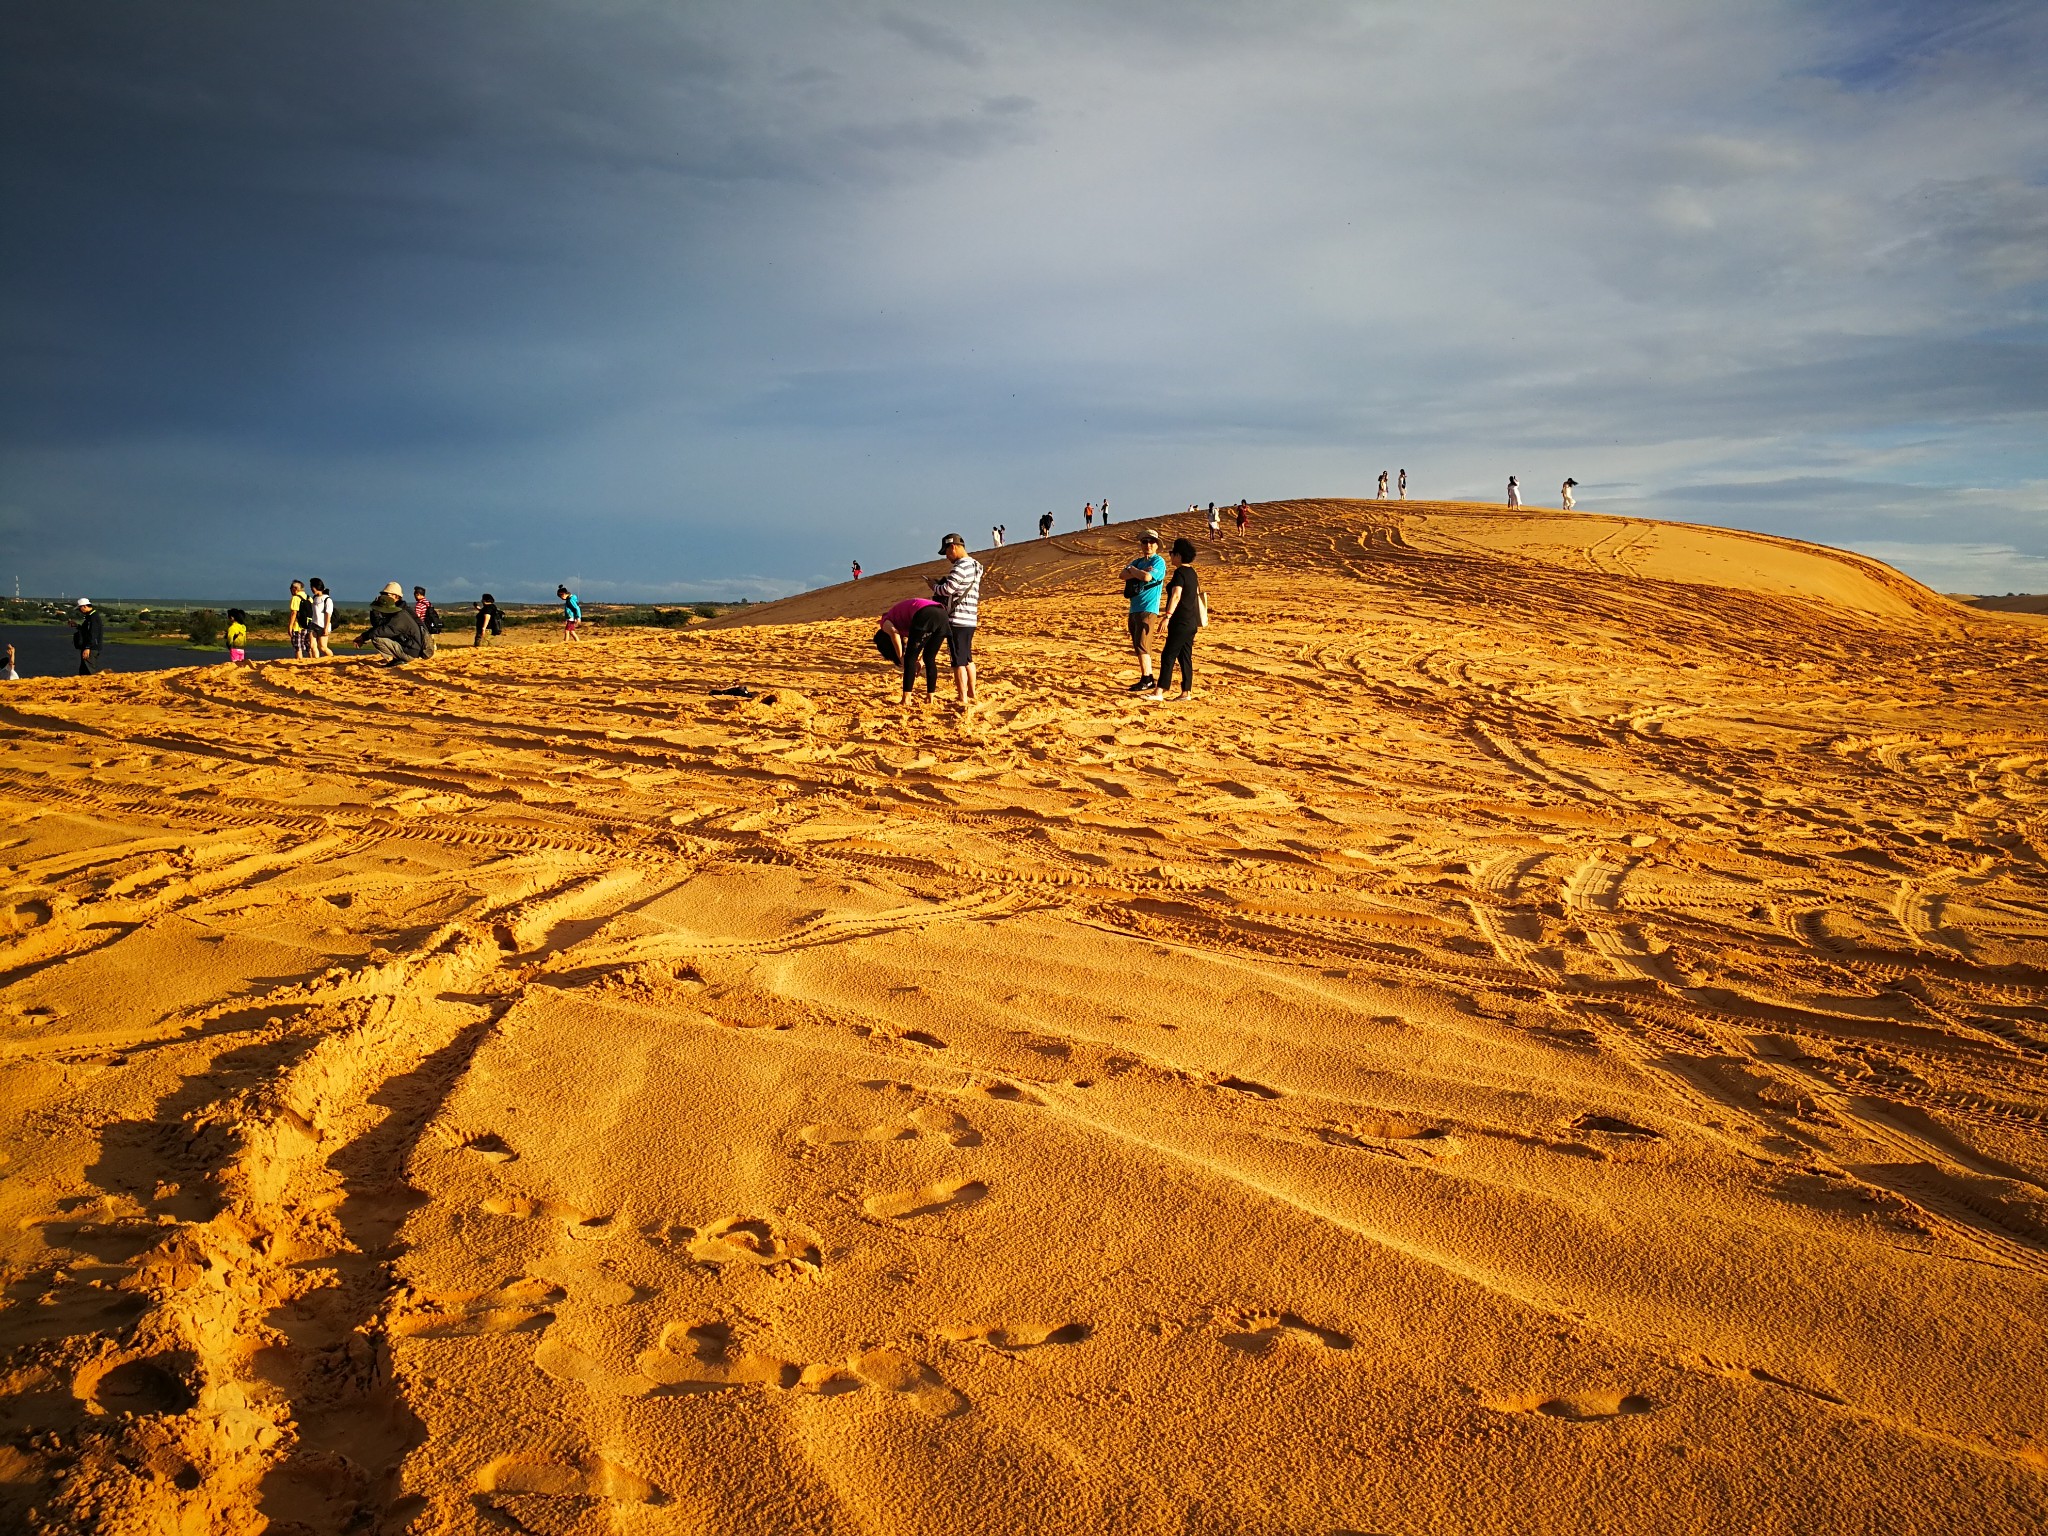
(1143, 578)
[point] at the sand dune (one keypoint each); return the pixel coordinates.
(1552, 1040)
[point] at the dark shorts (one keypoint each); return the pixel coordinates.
(960, 644)
(1143, 627)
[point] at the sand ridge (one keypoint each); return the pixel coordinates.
(1552, 1039)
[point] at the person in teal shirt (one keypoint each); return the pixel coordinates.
(572, 612)
(1143, 579)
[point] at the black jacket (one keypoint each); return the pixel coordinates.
(89, 633)
(391, 621)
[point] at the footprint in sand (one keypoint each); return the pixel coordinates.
(579, 1224)
(1579, 1407)
(931, 1120)
(563, 1361)
(1262, 1335)
(916, 1383)
(703, 1357)
(744, 1240)
(491, 1147)
(950, 1194)
(524, 1303)
(592, 1477)
(1014, 1336)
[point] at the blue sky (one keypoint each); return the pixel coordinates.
(672, 300)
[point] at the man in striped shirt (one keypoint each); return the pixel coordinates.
(960, 590)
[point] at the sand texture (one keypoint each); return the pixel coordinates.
(1554, 1039)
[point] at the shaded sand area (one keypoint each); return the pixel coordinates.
(1552, 1040)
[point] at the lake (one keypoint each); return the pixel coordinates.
(44, 650)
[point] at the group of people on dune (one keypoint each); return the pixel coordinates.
(400, 633)
(1166, 609)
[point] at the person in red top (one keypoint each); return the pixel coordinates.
(1244, 516)
(910, 633)
(856, 570)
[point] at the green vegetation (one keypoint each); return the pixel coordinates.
(203, 627)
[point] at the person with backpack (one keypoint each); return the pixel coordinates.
(395, 632)
(1045, 526)
(960, 590)
(320, 619)
(1186, 612)
(1142, 579)
(237, 637)
(295, 622)
(428, 615)
(572, 612)
(88, 637)
(490, 619)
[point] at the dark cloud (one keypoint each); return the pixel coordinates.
(521, 288)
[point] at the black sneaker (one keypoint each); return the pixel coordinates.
(1143, 685)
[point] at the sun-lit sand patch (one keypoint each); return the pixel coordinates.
(1552, 1039)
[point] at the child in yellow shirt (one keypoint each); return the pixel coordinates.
(238, 635)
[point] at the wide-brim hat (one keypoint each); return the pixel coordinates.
(392, 589)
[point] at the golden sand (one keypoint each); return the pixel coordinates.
(1552, 1040)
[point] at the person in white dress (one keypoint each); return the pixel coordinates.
(1514, 491)
(1565, 491)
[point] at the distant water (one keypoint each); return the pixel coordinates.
(44, 650)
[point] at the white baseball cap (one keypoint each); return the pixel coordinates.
(85, 602)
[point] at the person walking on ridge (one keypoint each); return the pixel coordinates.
(960, 590)
(856, 570)
(1244, 515)
(1514, 491)
(1215, 523)
(1383, 487)
(1184, 615)
(1045, 526)
(1142, 579)
(1403, 483)
(572, 612)
(319, 620)
(88, 637)
(1565, 492)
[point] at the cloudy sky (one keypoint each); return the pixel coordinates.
(672, 299)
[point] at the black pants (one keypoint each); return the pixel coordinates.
(87, 665)
(1180, 647)
(926, 631)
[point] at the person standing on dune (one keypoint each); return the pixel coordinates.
(1383, 487)
(1103, 507)
(1514, 491)
(1565, 493)
(319, 620)
(295, 619)
(1404, 485)
(1088, 515)
(1184, 615)
(1244, 515)
(572, 612)
(856, 570)
(1215, 523)
(1142, 579)
(490, 620)
(1045, 526)
(88, 637)
(960, 590)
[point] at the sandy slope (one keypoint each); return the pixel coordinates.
(1553, 1040)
